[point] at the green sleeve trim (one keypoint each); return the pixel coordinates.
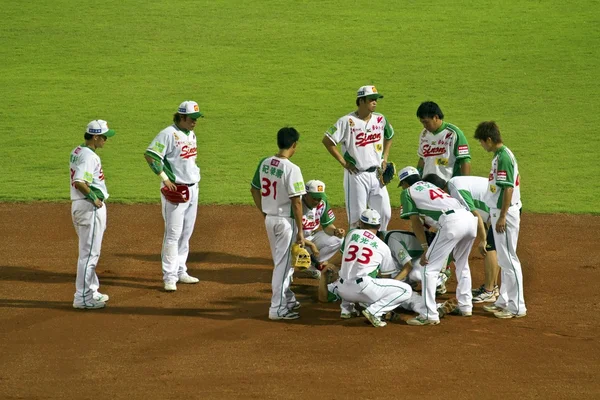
(256, 178)
(408, 205)
(466, 195)
(388, 130)
(325, 220)
(91, 196)
(332, 297)
(349, 158)
(169, 171)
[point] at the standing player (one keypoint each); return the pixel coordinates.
(504, 200)
(277, 188)
(317, 224)
(363, 255)
(172, 156)
(443, 148)
(457, 228)
(88, 211)
(366, 138)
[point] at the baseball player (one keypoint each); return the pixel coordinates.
(471, 192)
(276, 189)
(88, 211)
(504, 200)
(457, 229)
(366, 139)
(364, 254)
(318, 227)
(172, 156)
(443, 148)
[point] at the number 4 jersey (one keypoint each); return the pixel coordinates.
(428, 201)
(364, 254)
(278, 179)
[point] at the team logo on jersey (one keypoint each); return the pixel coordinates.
(275, 162)
(196, 108)
(309, 224)
(351, 122)
(158, 147)
(493, 188)
(331, 130)
(463, 150)
(176, 137)
(298, 187)
(442, 162)
(363, 139)
(379, 119)
(378, 147)
(188, 152)
(501, 176)
(448, 135)
(432, 151)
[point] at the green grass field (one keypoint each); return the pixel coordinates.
(257, 66)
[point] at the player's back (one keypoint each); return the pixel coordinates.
(278, 179)
(363, 253)
(429, 197)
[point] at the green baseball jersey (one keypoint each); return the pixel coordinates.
(278, 179)
(471, 191)
(362, 142)
(504, 173)
(321, 215)
(428, 201)
(443, 151)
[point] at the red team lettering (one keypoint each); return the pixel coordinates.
(188, 152)
(430, 151)
(362, 139)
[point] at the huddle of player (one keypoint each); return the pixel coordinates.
(447, 208)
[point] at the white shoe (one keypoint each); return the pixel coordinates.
(100, 297)
(441, 289)
(485, 297)
(90, 305)
(287, 315)
(188, 279)
(348, 315)
(374, 320)
(492, 308)
(295, 306)
(170, 286)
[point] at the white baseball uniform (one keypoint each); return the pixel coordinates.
(279, 179)
(89, 221)
(312, 219)
(362, 145)
(457, 229)
(363, 255)
(177, 149)
(471, 191)
(505, 173)
(440, 151)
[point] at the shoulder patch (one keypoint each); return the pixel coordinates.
(331, 130)
(463, 150)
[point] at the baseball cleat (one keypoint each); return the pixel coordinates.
(375, 321)
(295, 306)
(188, 279)
(492, 308)
(485, 297)
(477, 291)
(100, 297)
(505, 314)
(418, 321)
(286, 316)
(170, 286)
(441, 289)
(348, 315)
(90, 305)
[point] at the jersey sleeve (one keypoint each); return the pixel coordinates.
(466, 197)
(337, 133)
(256, 180)
(328, 217)
(84, 170)
(387, 266)
(408, 205)
(420, 149)
(403, 257)
(388, 130)
(160, 145)
(295, 182)
(506, 170)
(461, 146)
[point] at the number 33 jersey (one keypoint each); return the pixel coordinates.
(278, 179)
(428, 201)
(364, 254)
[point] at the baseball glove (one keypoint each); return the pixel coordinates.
(300, 257)
(182, 194)
(386, 175)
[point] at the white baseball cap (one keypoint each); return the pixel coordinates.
(190, 108)
(370, 216)
(316, 189)
(99, 127)
(406, 172)
(369, 92)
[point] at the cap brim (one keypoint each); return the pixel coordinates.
(109, 133)
(375, 96)
(318, 195)
(195, 115)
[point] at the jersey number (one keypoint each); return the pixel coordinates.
(266, 186)
(437, 194)
(366, 254)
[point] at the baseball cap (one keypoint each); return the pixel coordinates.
(369, 92)
(406, 172)
(370, 216)
(190, 108)
(99, 127)
(316, 189)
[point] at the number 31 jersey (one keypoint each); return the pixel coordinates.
(428, 201)
(278, 179)
(364, 254)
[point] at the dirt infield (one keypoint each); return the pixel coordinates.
(213, 339)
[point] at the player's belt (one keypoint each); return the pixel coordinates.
(448, 212)
(185, 184)
(359, 280)
(372, 169)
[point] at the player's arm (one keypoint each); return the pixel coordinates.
(405, 271)
(465, 167)
(331, 230)
(88, 193)
(419, 231)
(256, 196)
(156, 165)
(387, 145)
(324, 296)
(335, 153)
(297, 211)
(420, 166)
(481, 233)
(506, 199)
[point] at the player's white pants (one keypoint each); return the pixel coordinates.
(89, 223)
(378, 295)
(281, 232)
(417, 271)
(179, 226)
(457, 232)
(328, 245)
(364, 189)
(414, 303)
(511, 288)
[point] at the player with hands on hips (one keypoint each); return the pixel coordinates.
(88, 211)
(276, 189)
(457, 229)
(323, 238)
(366, 138)
(363, 255)
(172, 156)
(443, 147)
(504, 200)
